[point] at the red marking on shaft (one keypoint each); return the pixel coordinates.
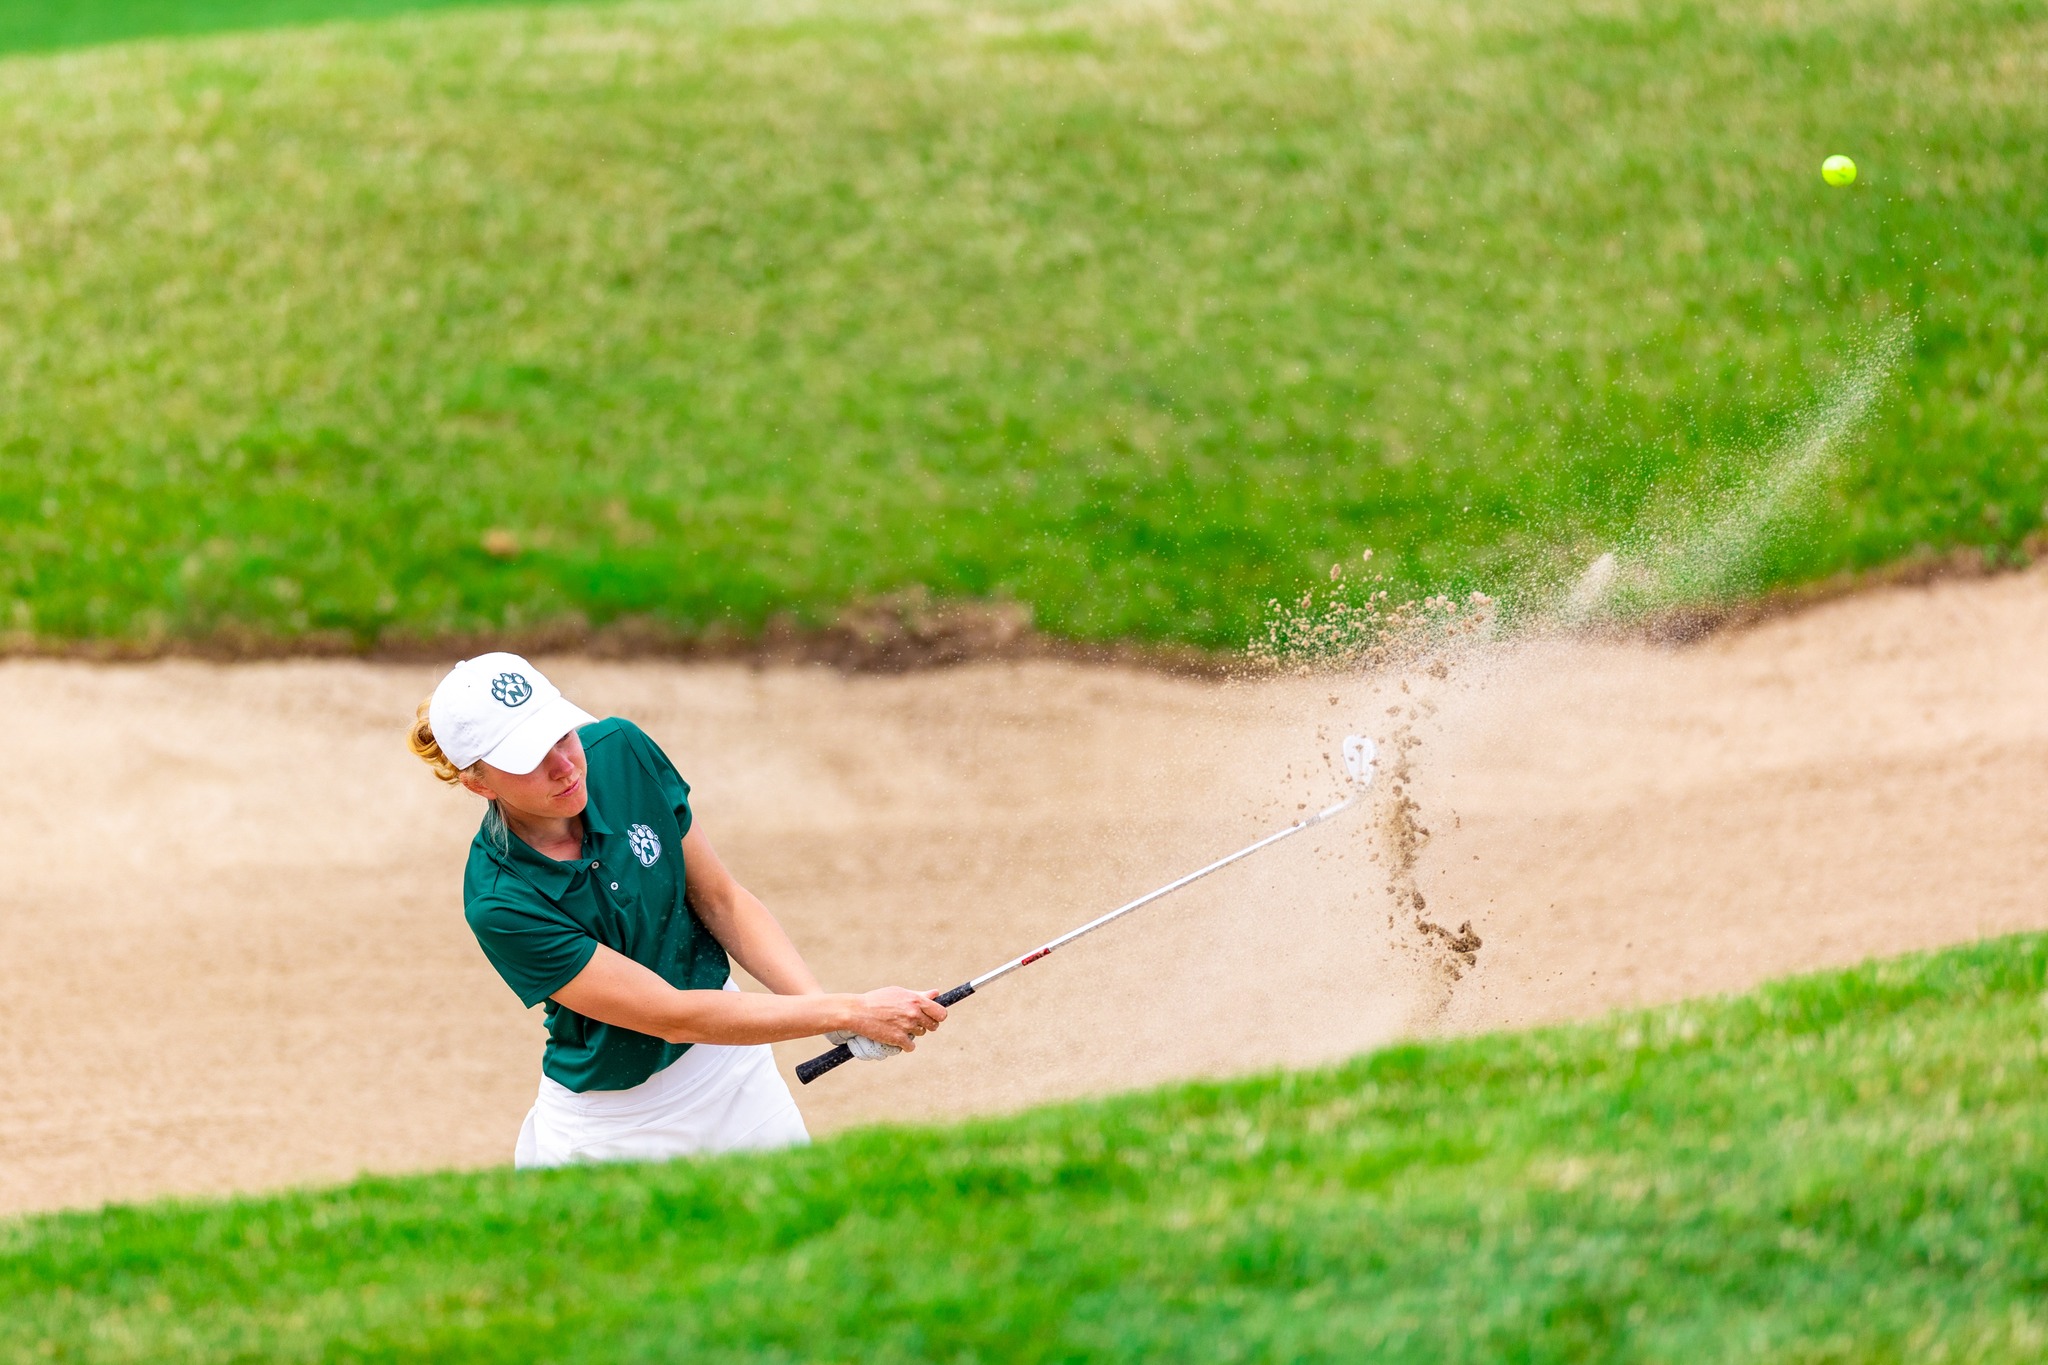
(1034, 957)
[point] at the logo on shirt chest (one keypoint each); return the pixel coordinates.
(645, 843)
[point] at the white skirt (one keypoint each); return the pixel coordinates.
(713, 1098)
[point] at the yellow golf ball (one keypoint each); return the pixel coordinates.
(1838, 170)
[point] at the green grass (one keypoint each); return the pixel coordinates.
(43, 25)
(1847, 1167)
(1142, 313)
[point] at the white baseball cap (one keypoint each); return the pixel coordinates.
(499, 708)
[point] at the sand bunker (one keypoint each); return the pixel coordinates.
(233, 956)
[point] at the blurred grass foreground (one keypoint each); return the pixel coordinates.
(1141, 314)
(1845, 1168)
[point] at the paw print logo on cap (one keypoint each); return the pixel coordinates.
(511, 689)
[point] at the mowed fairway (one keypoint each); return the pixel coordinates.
(413, 325)
(1841, 1168)
(1142, 313)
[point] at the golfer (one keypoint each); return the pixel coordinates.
(591, 887)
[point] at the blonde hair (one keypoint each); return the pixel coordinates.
(420, 739)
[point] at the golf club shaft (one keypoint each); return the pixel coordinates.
(825, 1061)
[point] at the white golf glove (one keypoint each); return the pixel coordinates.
(863, 1048)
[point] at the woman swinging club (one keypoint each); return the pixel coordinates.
(591, 887)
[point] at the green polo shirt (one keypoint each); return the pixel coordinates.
(540, 921)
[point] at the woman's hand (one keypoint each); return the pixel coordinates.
(896, 1016)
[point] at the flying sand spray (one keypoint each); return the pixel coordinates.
(1643, 573)
(1359, 753)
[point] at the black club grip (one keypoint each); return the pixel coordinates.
(839, 1056)
(822, 1063)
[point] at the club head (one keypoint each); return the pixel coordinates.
(1359, 754)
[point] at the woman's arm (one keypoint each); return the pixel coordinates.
(614, 989)
(741, 924)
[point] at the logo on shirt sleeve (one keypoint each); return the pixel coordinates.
(645, 843)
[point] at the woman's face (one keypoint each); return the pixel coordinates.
(552, 791)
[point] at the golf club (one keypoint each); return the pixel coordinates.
(1359, 753)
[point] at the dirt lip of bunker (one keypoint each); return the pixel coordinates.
(902, 633)
(912, 631)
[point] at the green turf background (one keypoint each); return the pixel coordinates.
(1841, 1168)
(44, 25)
(1144, 314)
